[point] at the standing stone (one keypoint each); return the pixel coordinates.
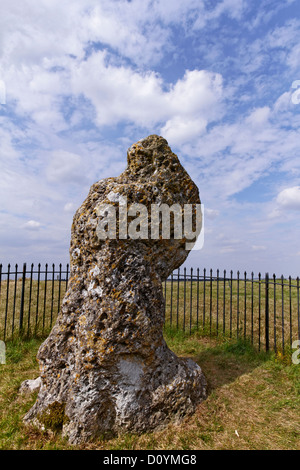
(105, 367)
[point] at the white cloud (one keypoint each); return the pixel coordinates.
(228, 249)
(71, 69)
(118, 93)
(293, 58)
(259, 116)
(123, 94)
(69, 207)
(258, 247)
(140, 30)
(194, 101)
(234, 8)
(283, 103)
(40, 70)
(131, 28)
(266, 11)
(283, 36)
(229, 157)
(180, 129)
(289, 198)
(65, 167)
(211, 213)
(197, 89)
(32, 225)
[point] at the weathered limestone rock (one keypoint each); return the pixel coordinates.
(30, 386)
(105, 367)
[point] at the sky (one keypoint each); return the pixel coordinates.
(82, 80)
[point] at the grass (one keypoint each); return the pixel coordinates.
(253, 400)
(42, 301)
(236, 309)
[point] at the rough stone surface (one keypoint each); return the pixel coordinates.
(30, 386)
(105, 366)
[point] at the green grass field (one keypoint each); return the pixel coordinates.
(236, 309)
(42, 302)
(253, 400)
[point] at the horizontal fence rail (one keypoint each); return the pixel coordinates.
(264, 310)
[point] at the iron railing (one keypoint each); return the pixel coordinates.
(264, 310)
(30, 298)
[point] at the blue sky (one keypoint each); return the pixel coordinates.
(82, 80)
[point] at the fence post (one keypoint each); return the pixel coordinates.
(267, 312)
(298, 307)
(22, 297)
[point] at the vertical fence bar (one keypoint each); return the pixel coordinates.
(177, 313)
(165, 295)
(298, 308)
(59, 289)
(259, 308)
(67, 276)
(230, 319)
(204, 288)
(291, 318)
(38, 295)
(238, 305)
(184, 296)
(224, 296)
(282, 311)
(191, 300)
(267, 311)
(52, 293)
(217, 302)
(0, 277)
(197, 296)
(252, 306)
(275, 342)
(15, 296)
(7, 298)
(171, 306)
(30, 296)
(22, 298)
(165, 298)
(45, 295)
(0, 280)
(210, 301)
(245, 304)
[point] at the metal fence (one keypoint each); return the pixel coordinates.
(264, 310)
(30, 298)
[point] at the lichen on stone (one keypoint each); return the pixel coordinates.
(105, 367)
(53, 417)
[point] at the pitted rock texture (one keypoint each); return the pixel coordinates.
(105, 367)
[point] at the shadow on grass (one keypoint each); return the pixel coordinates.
(222, 365)
(222, 360)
